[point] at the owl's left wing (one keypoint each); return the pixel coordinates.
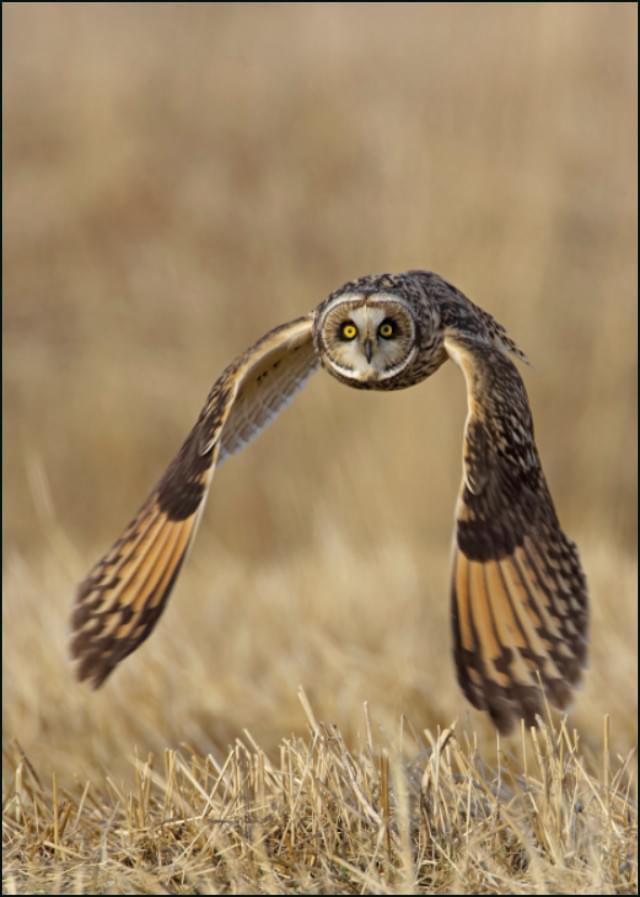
(519, 595)
(121, 600)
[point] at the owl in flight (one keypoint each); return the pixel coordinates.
(519, 607)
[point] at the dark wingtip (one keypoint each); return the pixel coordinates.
(89, 663)
(502, 717)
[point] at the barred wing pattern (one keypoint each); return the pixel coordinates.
(519, 596)
(120, 602)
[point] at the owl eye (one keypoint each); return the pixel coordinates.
(387, 329)
(348, 330)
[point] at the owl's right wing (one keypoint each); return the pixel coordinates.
(122, 598)
(520, 607)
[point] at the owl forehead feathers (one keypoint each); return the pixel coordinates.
(367, 308)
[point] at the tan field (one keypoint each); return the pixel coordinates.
(178, 179)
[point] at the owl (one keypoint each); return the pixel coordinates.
(519, 606)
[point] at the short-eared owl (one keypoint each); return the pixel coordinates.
(519, 596)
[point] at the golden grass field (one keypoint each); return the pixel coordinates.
(178, 179)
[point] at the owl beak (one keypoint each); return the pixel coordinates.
(368, 349)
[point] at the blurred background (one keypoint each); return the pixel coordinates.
(178, 179)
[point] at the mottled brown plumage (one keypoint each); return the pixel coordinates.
(519, 596)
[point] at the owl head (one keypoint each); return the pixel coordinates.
(366, 338)
(379, 332)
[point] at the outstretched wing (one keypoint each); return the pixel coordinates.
(120, 601)
(519, 595)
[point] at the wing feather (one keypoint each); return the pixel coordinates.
(119, 603)
(519, 595)
(268, 384)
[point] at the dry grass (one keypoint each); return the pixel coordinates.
(179, 179)
(324, 818)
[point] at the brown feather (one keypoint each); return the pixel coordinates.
(519, 598)
(119, 603)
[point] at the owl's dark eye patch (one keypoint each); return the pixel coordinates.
(347, 331)
(388, 329)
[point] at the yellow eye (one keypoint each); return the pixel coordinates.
(348, 330)
(386, 329)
